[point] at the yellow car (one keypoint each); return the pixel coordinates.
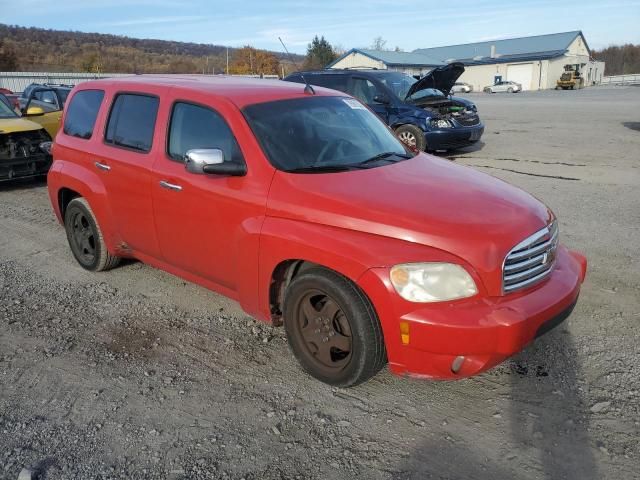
(43, 104)
(24, 146)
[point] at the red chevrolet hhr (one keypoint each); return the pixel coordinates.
(302, 205)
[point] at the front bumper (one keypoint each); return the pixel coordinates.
(456, 137)
(22, 167)
(483, 330)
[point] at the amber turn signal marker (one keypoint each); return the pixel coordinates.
(404, 333)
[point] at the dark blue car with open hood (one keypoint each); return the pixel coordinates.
(421, 111)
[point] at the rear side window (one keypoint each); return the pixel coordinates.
(132, 121)
(82, 113)
(194, 126)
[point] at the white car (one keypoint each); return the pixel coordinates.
(461, 87)
(504, 86)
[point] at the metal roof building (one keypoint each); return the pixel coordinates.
(535, 62)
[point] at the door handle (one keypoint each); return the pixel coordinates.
(102, 166)
(170, 186)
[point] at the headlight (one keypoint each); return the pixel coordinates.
(440, 123)
(46, 147)
(432, 282)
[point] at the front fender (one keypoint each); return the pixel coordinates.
(348, 252)
(89, 185)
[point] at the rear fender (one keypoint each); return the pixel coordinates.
(88, 184)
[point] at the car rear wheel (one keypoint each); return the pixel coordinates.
(412, 136)
(332, 328)
(85, 237)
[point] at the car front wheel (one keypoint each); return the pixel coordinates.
(85, 237)
(412, 136)
(332, 328)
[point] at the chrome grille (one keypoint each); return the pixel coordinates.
(531, 260)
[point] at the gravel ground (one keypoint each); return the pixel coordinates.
(136, 374)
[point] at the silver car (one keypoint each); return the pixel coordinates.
(504, 86)
(461, 87)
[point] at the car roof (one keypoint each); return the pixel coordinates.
(344, 71)
(240, 90)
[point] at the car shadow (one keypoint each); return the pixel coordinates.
(23, 183)
(453, 155)
(549, 415)
(547, 424)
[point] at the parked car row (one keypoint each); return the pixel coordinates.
(301, 204)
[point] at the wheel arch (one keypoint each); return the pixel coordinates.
(72, 180)
(285, 253)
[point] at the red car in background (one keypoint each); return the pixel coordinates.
(305, 208)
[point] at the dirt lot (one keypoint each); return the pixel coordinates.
(136, 374)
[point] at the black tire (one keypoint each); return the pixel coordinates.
(509, 90)
(341, 346)
(412, 136)
(85, 237)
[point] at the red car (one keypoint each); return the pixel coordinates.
(304, 207)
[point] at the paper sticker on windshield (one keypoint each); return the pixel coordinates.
(356, 105)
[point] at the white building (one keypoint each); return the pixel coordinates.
(535, 62)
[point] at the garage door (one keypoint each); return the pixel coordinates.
(521, 74)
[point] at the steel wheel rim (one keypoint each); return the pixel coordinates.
(323, 332)
(83, 237)
(408, 138)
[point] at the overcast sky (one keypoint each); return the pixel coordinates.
(405, 23)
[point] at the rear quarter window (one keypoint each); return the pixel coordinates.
(82, 113)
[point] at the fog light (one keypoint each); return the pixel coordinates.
(456, 365)
(404, 333)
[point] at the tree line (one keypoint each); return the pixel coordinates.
(38, 49)
(619, 60)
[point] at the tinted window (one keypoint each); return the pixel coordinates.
(318, 132)
(132, 121)
(193, 126)
(82, 113)
(336, 82)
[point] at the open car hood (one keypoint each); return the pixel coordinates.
(441, 78)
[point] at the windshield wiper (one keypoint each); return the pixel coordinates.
(321, 169)
(385, 156)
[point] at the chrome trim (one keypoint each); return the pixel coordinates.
(103, 166)
(170, 186)
(531, 260)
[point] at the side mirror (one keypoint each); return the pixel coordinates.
(381, 98)
(211, 161)
(196, 159)
(34, 111)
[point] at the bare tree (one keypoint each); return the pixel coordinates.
(379, 43)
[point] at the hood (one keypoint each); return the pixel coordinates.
(424, 200)
(13, 125)
(441, 78)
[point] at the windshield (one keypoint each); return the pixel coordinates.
(6, 111)
(400, 83)
(316, 133)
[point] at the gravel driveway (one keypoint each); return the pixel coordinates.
(134, 373)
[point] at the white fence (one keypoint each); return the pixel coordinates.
(18, 81)
(631, 79)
